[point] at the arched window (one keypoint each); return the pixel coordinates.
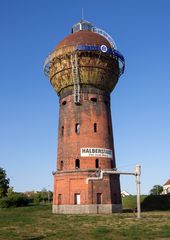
(64, 103)
(62, 130)
(77, 163)
(59, 199)
(95, 127)
(77, 128)
(97, 163)
(93, 99)
(61, 165)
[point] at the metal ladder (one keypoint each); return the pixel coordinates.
(76, 78)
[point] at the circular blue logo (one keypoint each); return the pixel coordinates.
(103, 48)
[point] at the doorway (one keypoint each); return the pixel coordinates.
(99, 198)
(77, 198)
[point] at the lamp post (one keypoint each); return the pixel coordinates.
(138, 173)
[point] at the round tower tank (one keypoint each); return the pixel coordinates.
(96, 64)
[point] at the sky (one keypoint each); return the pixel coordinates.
(140, 103)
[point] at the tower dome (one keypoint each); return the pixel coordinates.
(83, 37)
(85, 57)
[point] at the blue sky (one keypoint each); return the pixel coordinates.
(29, 30)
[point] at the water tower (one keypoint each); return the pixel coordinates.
(84, 69)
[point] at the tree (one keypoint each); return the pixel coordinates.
(37, 198)
(10, 192)
(156, 190)
(4, 183)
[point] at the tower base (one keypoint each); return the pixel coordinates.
(87, 209)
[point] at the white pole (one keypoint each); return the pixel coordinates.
(138, 173)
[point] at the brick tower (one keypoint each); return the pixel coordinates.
(84, 69)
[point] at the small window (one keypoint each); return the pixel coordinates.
(59, 199)
(61, 165)
(62, 130)
(93, 99)
(99, 198)
(77, 163)
(97, 163)
(77, 128)
(95, 127)
(77, 198)
(64, 103)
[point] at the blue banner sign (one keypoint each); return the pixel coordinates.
(102, 48)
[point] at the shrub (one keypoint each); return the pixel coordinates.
(15, 200)
(42, 197)
(156, 202)
(37, 198)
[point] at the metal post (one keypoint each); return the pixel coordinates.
(48, 196)
(138, 173)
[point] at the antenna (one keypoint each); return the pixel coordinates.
(82, 13)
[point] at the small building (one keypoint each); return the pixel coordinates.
(166, 187)
(30, 193)
(125, 194)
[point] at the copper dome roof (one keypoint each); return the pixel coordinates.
(83, 37)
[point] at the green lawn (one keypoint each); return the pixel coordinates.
(37, 222)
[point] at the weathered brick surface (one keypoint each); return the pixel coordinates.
(96, 68)
(68, 180)
(86, 115)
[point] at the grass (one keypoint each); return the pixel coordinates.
(130, 202)
(37, 222)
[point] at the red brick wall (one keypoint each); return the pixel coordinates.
(86, 115)
(70, 142)
(67, 184)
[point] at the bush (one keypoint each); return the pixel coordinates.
(37, 198)
(156, 202)
(42, 197)
(148, 203)
(15, 200)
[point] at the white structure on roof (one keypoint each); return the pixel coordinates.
(166, 187)
(125, 194)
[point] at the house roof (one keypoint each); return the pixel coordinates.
(167, 183)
